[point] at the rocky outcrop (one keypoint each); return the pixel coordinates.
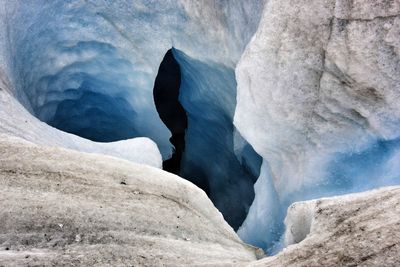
(354, 230)
(66, 208)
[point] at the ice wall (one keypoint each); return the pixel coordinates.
(89, 67)
(318, 92)
(97, 60)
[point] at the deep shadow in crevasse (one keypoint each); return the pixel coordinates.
(196, 101)
(170, 110)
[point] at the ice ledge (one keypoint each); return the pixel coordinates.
(355, 229)
(15, 120)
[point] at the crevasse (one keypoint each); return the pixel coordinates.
(291, 96)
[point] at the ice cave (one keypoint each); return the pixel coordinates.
(259, 103)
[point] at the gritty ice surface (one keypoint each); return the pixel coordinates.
(318, 98)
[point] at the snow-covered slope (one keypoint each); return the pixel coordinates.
(67, 208)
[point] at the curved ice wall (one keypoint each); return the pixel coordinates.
(318, 98)
(68, 58)
(88, 68)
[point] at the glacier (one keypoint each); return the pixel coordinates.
(285, 101)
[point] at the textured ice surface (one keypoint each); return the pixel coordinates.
(318, 98)
(89, 67)
(361, 229)
(97, 60)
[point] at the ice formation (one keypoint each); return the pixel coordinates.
(89, 68)
(315, 93)
(318, 98)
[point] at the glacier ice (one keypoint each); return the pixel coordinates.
(63, 55)
(89, 68)
(314, 93)
(318, 90)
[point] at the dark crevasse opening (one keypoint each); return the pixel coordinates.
(170, 110)
(196, 101)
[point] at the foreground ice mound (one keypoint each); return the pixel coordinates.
(360, 229)
(318, 98)
(62, 207)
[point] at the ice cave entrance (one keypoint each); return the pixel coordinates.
(196, 101)
(170, 110)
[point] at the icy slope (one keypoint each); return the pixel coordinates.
(318, 98)
(62, 207)
(352, 230)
